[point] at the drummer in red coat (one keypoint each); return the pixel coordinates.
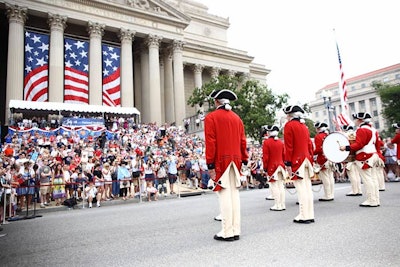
(298, 161)
(325, 166)
(366, 147)
(226, 151)
(273, 154)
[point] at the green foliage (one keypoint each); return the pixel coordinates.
(311, 128)
(256, 104)
(200, 95)
(390, 98)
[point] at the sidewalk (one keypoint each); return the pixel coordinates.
(182, 190)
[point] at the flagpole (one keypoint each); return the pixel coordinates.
(343, 118)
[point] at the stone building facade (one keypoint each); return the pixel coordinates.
(168, 48)
(362, 97)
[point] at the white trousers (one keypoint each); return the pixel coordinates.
(370, 181)
(306, 198)
(278, 193)
(328, 182)
(230, 204)
(354, 177)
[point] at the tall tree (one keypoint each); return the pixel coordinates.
(256, 104)
(390, 95)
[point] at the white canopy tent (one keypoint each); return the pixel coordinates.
(21, 106)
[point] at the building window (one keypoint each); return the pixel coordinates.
(372, 103)
(385, 79)
(336, 92)
(375, 112)
(397, 76)
(363, 85)
(353, 88)
(376, 125)
(361, 105)
(324, 113)
(352, 108)
(316, 114)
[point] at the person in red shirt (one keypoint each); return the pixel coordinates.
(9, 151)
(298, 161)
(273, 153)
(226, 151)
(366, 147)
(396, 140)
(325, 166)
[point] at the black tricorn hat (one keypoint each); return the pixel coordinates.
(396, 125)
(271, 128)
(361, 115)
(347, 127)
(320, 124)
(292, 109)
(223, 94)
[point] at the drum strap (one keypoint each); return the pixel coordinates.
(370, 147)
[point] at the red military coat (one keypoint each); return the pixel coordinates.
(298, 145)
(273, 154)
(396, 140)
(319, 140)
(225, 141)
(363, 137)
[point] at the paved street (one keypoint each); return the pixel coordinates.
(179, 232)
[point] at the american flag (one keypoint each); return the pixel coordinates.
(343, 118)
(111, 76)
(36, 67)
(76, 71)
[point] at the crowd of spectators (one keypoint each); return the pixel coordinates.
(135, 160)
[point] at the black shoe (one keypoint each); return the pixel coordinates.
(236, 237)
(269, 198)
(220, 238)
(217, 219)
(359, 194)
(304, 221)
(352, 195)
(381, 190)
(276, 209)
(325, 199)
(369, 206)
(297, 203)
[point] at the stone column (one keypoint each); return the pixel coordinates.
(127, 97)
(198, 81)
(198, 70)
(153, 41)
(168, 87)
(146, 103)
(162, 88)
(179, 87)
(231, 73)
(96, 32)
(56, 62)
(137, 80)
(215, 72)
(15, 61)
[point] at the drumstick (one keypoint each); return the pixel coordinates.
(339, 145)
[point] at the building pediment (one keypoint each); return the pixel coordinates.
(147, 8)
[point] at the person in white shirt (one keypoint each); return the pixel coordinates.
(91, 193)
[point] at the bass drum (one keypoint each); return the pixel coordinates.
(331, 147)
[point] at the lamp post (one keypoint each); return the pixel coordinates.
(326, 96)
